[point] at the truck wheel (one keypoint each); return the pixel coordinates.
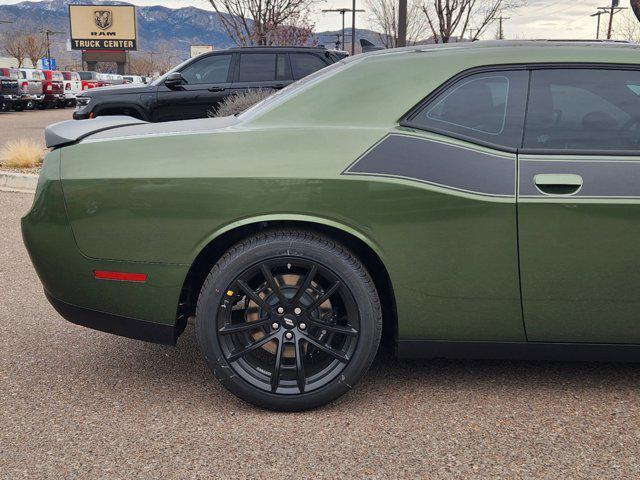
(288, 320)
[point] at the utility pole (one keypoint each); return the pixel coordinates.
(500, 31)
(48, 32)
(342, 12)
(353, 28)
(612, 10)
(597, 14)
(402, 24)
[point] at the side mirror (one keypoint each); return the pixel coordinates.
(174, 80)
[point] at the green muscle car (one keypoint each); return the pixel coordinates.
(474, 200)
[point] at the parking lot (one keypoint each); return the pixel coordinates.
(30, 123)
(77, 403)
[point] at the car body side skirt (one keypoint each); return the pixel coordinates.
(587, 352)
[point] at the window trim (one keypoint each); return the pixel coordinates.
(407, 119)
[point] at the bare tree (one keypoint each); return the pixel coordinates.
(448, 19)
(35, 47)
(383, 15)
(297, 31)
(252, 22)
(14, 45)
(627, 27)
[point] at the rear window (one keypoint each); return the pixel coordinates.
(486, 107)
(262, 67)
(85, 75)
(303, 64)
(57, 76)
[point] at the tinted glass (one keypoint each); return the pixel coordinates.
(583, 109)
(257, 67)
(85, 75)
(486, 107)
(305, 63)
(211, 69)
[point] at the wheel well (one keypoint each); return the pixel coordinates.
(130, 111)
(209, 255)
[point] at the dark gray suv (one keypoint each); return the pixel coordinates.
(197, 86)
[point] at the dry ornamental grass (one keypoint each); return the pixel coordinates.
(22, 153)
(238, 103)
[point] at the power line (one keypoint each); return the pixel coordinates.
(500, 31)
(342, 12)
(612, 10)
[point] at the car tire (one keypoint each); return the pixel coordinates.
(325, 306)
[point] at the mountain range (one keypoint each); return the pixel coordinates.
(157, 25)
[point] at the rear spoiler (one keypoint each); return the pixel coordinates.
(72, 131)
(367, 46)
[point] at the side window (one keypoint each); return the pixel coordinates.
(583, 109)
(304, 64)
(486, 107)
(211, 69)
(258, 67)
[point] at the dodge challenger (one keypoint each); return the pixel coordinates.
(474, 200)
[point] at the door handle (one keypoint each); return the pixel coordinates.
(217, 89)
(558, 183)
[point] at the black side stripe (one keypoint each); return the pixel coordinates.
(601, 179)
(439, 164)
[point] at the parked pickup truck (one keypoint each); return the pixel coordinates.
(72, 87)
(31, 87)
(9, 93)
(53, 89)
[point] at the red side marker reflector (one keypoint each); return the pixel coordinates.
(122, 276)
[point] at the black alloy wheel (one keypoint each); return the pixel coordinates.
(288, 328)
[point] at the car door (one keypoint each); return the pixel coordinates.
(262, 70)
(452, 169)
(207, 83)
(579, 204)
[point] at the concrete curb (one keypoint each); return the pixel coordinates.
(18, 182)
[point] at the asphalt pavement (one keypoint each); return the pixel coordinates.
(30, 123)
(76, 403)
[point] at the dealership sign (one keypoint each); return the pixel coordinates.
(103, 27)
(196, 50)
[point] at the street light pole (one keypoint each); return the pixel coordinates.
(342, 12)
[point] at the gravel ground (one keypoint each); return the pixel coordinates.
(76, 403)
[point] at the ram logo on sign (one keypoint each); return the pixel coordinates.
(103, 27)
(103, 18)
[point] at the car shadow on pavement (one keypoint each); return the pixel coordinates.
(183, 372)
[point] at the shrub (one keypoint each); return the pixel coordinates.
(239, 102)
(22, 153)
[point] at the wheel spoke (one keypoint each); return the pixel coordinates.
(327, 349)
(241, 327)
(253, 295)
(341, 329)
(275, 377)
(268, 276)
(300, 367)
(242, 351)
(325, 296)
(305, 284)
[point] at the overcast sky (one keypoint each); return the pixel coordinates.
(539, 19)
